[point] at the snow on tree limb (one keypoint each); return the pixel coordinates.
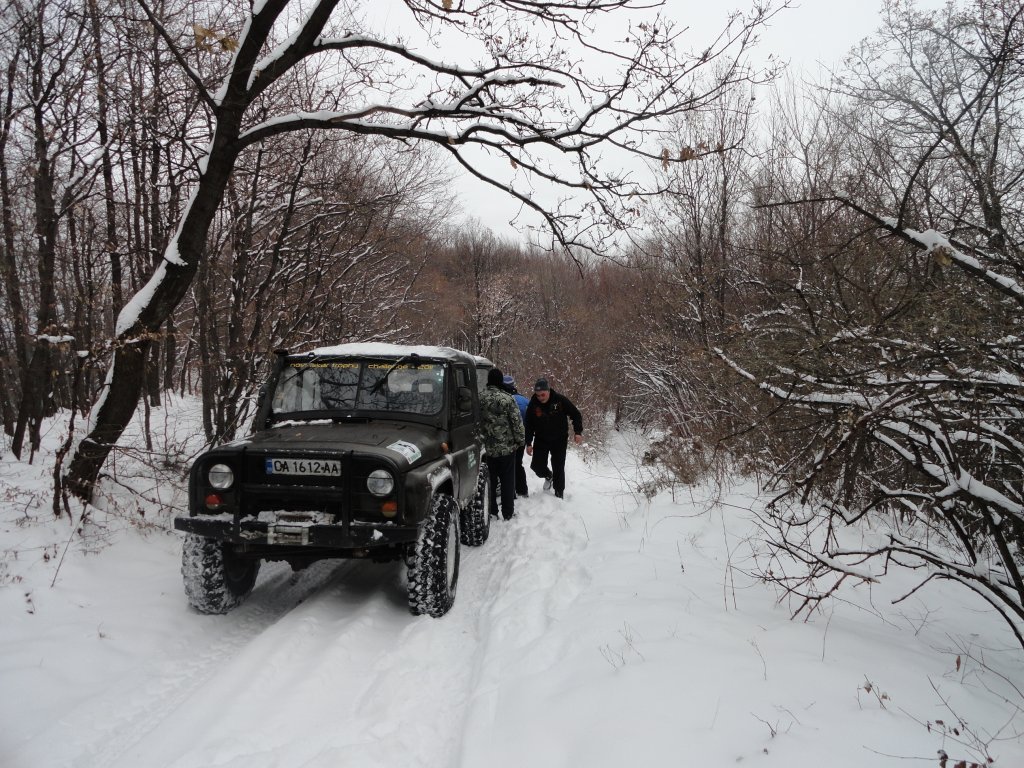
(942, 247)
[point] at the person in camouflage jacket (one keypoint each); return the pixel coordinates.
(503, 433)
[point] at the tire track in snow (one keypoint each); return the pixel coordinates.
(122, 717)
(345, 676)
(536, 577)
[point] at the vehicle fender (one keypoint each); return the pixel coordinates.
(440, 475)
(423, 482)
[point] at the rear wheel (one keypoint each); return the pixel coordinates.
(216, 578)
(476, 520)
(434, 573)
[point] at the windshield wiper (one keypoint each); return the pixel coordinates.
(379, 384)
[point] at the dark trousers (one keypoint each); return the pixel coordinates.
(541, 451)
(503, 472)
(521, 488)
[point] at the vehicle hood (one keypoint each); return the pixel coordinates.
(403, 443)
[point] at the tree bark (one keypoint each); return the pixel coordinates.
(18, 372)
(111, 245)
(38, 384)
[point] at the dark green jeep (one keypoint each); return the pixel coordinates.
(359, 450)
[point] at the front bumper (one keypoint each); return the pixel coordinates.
(254, 534)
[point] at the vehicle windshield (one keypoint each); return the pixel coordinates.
(334, 387)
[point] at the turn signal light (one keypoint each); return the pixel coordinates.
(389, 508)
(214, 501)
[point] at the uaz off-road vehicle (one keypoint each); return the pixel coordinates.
(360, 450)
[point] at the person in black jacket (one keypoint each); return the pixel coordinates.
(547, 433)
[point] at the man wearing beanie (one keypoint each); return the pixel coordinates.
(502, 432)
(547, 433)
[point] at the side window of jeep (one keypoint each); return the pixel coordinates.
(462, 379)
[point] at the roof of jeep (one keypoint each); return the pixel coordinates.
(380, 349)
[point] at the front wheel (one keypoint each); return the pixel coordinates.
(216, 578)
(476, 519)
(434, 573)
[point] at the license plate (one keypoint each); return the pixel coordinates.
(317, 467)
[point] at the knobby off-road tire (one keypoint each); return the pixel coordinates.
(434, 573)
(216, 579)
(476, 518)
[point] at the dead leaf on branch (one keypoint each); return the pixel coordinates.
(205, 38)
(942, 255)
(447, 4)
(664, 159)
(203, 35)
(687, 153)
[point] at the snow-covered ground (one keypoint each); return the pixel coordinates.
(602, 630)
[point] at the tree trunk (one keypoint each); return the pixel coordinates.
(170, 355)
(153, 396)
(36, 400)
(8, 262)
(111, 245)
(205, 344)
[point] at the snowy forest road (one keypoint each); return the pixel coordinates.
(327, 667)
(605, 630)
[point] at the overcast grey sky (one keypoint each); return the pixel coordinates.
(810, 35)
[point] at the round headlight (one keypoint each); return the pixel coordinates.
(380, 482)
(220, 476)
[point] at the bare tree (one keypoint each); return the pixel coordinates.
(16, 356)
(486, 309)
(50, 91)
(528, 101)
(313, 242)
(899, 372)
(696, 272)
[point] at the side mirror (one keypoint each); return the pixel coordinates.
(464, 399)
